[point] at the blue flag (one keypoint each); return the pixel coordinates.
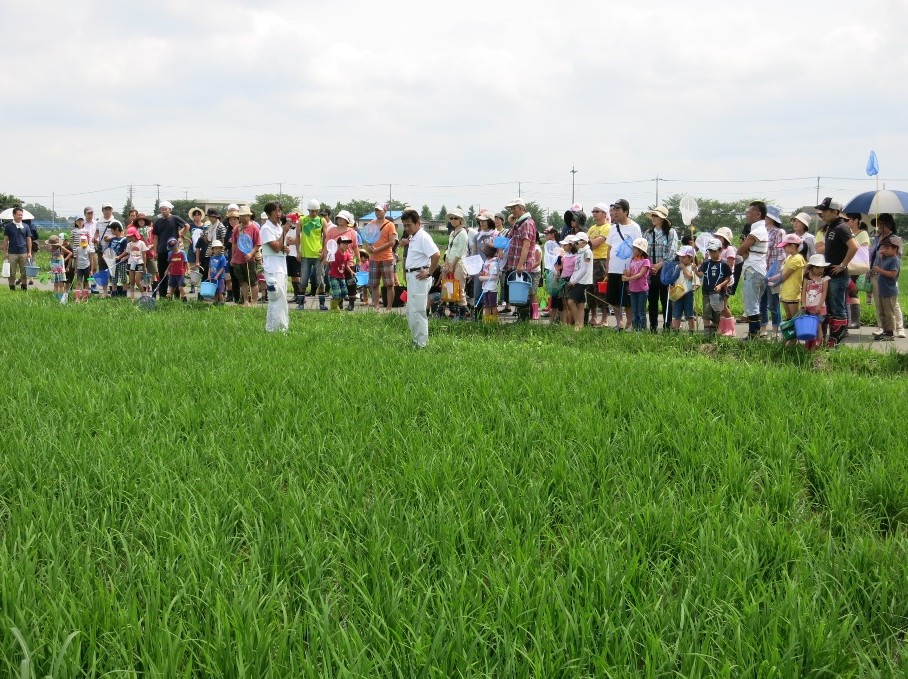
(873, 165)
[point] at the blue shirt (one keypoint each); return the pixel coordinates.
(17, 235)
(889, 287)
(215, 264)
(118, 245)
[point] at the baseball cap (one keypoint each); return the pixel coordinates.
(212, 212)
(686, 251)
(171, 242)
(104, 205)
(895, 241)
(516, 202)
(828, 203)
(582, 237)
(714, 244)
(379, 206)
(790, 239)
(623, 204)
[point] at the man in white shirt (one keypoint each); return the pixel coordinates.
(624, 229)
(422, 260)
(753, 272)
(274, 264)
(103, 235)
(90, 227)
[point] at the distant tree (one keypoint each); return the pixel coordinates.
(9, 200)
(442, 214)
(358, 207)
(426, 213)
(41, 213)
(126, 208)
(471, 216)
(556, 220)
(396, 205)
(288, 203)
(536, 212)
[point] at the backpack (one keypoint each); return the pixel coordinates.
(668, 274)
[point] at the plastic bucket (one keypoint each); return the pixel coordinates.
(519, 289)
(806, 327)
(362, 279)
(208, 289)
(195, 277)
(102, 277)
(602, 287)
(32, 271)
(501, 242)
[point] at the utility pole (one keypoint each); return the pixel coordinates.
(53, 210)
(518, 188)
(573, 174)
(818, 191)
(389, 197)
(130, 195)
(157, 203)
(280, 191)
(657, 180)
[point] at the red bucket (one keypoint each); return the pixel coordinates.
(602, 287)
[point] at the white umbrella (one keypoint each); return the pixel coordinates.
(8, 214)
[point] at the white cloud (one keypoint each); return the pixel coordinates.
(219, 94)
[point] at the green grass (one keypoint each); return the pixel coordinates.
(197, 498)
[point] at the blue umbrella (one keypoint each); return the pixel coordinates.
(875, 202)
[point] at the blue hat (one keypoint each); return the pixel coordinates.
(774, 213)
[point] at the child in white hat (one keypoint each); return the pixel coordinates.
(637, 278)
(813, 294)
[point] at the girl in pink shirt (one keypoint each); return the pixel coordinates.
(637, 278)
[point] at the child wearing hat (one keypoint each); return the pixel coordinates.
(688, 278)
(813, 294)
(118, 245)
(217, 269)
(636, 275)
(792, 275)
(58, 255)
(339, 270)
(135, 260)
(83, 257)
(176, 268)
(581, 280)
(888, 269)
(488, 278)
(717, 275)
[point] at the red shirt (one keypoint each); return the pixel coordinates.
(338, 268)
(178, 263)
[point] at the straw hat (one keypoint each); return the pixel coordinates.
(660, 211)
(641, 244)
(725, 232)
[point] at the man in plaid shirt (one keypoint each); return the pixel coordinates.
(522, 256)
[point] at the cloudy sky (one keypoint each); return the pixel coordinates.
(451, 102)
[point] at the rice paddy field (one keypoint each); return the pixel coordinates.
(182, 495)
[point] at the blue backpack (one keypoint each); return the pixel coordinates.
(668, 274)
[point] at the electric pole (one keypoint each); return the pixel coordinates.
(573, 174)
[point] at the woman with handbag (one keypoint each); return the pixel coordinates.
(859, 265)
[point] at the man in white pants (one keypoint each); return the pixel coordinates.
(422, 260)
(274, 263)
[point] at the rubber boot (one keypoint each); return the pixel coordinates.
(335, 305)
(321, 303)
(855, 315)
(727, 326)
(838, 329)
(534, 312)
(350, 303)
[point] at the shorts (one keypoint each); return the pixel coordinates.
(684, 306)
(293, 267)
(577, 293)
(710, 315)
(338, 288)
(59, 277)
(175, 281)
(134, 266)
(82, 274)
(246, 273)
(489, 299)
(600, 270)
(556, 302)
(383, 271)
(617, 293)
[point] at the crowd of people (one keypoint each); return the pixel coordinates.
(595, 268)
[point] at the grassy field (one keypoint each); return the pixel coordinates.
(194, 497)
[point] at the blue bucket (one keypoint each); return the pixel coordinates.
(501, 242)
(519, 289)
(208, 289)
(102, 277)
(806, 327)
(362, 279)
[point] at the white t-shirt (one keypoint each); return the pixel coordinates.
(136, 252)
(90, 228)
(490, 269)
(104, 232)
(421, 249)
(583, 266)
(756, 258)
(614, 239)
(272, 262)
(291, 235)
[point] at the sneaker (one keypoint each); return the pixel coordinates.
(887, 337)
(900, 334)
(322, 307)
(878, 335)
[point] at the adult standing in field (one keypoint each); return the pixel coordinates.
(17, 245)
(91, 227)
(775, 256)
(523, 255)
(421, 262)
(311, 236)
(861, 235)
(244, 265)
(343, 228)
(458, 245)
(839, 247)
(167, 226)
(753, 270)
(274, 263)
(624, 230)
(800, 224)
(598, 235)
(885, 229)
(663, 244)
(233, 223)
(381, 255)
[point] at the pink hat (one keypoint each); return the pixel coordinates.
(790, 239)
(132, 231)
